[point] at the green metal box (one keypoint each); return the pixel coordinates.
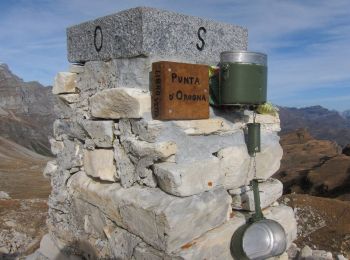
(243, 78)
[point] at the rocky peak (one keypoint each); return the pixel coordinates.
(313, 166)
(322, 123)
(26, 111)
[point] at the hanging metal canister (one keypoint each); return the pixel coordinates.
(243, 78)
(253, 138)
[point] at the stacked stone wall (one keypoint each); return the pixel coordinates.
(125, 186)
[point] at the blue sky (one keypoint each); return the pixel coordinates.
(307, 42)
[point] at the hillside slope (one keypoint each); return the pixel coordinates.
(26, 111)
(21, 171)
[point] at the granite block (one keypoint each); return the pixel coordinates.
(144, 31)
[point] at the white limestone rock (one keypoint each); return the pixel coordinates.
(268, 122)
(215, 244)
(145, 252)
(233, 169)
(69, 98)
(234, 162)
(306, 252)
(63, 110)
(143, 155)
(70, 128)
(71, 156)
(76, 68)
(50, 168)
(243, 198)
(268, 161)
(322, 255)
(147, 130)
(141, 149)
(119, 103)
(99, 163)
(65, 82)
(161, 220)
(188, 179)
(122, 243)
(56, 146)
(101, 132)
(4, 195)
(207, 126)
(126, 170)
(51, 251)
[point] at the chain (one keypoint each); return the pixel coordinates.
(254, 116)
(252, 162)
(254, 155)
(254, 166)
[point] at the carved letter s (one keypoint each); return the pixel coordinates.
(200, 48)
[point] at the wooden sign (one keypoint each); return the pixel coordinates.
(180, 91)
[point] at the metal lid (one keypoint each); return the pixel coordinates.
(244, 57)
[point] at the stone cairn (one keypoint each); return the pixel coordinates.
(125, 186)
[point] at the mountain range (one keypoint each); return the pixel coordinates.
(26, 111)
(322, 123)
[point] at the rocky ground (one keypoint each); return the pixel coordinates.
(323, 223)
(315, 167)
(22, 224)
(23, 199)
(21, 172)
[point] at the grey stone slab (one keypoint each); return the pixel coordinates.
(243, 198)
(145, 31)
(163, 221)
(215, 244)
